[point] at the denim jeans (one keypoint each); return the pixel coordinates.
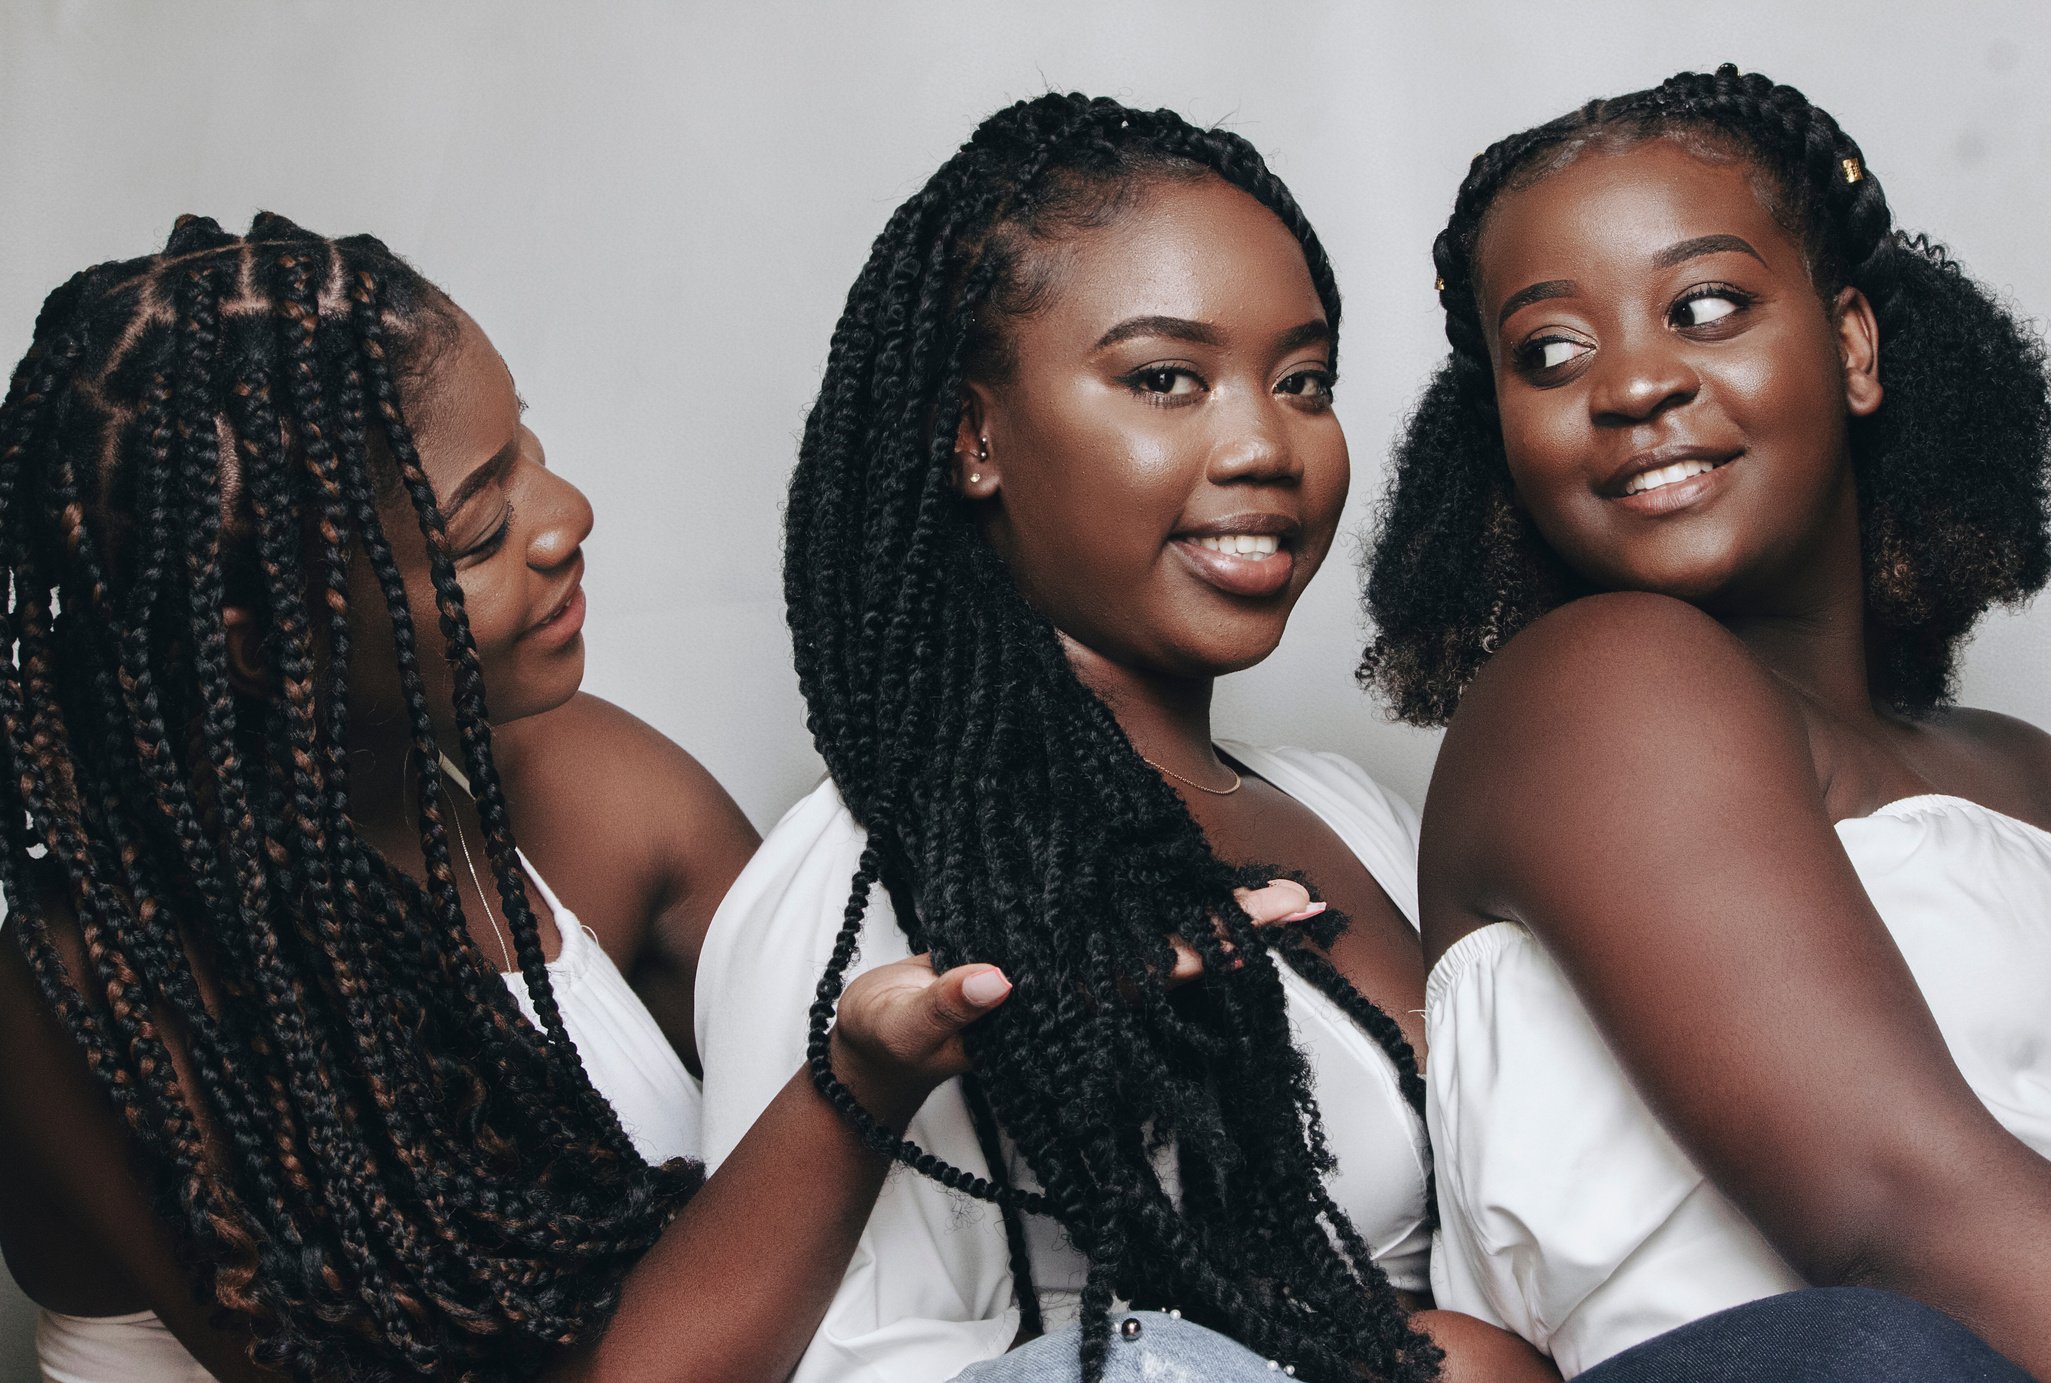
(1823, 1335)
(1165, 1349)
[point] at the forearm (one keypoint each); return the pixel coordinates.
(735, 1287)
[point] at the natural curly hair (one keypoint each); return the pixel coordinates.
(379, 1168)
(1951, 470)
(1010, 820)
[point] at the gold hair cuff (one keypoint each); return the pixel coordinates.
(1852, 171)
(1439, 284)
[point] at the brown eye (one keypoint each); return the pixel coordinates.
(1308, 384)
(1707, 304)
(1549, 353)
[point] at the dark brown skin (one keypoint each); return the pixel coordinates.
(1648, 779)
(635, 837)
(1177, 383)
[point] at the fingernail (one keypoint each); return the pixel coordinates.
(985, 987)
(1312, 911)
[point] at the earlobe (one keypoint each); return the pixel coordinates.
(248, 670)
(1858, 341)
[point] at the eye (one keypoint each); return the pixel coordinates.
(1546, 353)
(490, 542)
(1314, 385)
(1712, 302)
(1159, 383)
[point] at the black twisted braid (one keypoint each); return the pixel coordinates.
(1952, 476)
(377, 1165)
(1009, 820)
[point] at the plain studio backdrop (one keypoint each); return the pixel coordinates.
(655, 211)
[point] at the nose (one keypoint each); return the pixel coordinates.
(1640, 377)
(1253, 443)
(565, 522)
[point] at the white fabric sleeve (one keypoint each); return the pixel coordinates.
(928, 1290)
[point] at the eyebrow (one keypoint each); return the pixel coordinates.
(1178, 328)
(467, 489)
(1536, 293)
(1703, 245)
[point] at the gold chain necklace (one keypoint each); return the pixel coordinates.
(1237, 781)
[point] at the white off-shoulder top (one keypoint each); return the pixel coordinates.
(929, 1289)
(1568, 1214)
(624, 1052)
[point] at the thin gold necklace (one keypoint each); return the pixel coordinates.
(1237, 781)
(462, 780)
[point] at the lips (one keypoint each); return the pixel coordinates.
(1669, 478)
(1250, 555)
(565, 618)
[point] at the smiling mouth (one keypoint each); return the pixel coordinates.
(1240, 544)
(1674, 474)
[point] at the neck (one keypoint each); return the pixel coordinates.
(1167, 718)
(1811, 629)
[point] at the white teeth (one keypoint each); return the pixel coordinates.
(1666, 475)
(1242, 544)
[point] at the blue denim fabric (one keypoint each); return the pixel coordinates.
(1823, 1335)
(1167, 1349)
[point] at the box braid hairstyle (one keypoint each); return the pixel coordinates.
(380, 1167)
(1951, 469)
(1010, 820)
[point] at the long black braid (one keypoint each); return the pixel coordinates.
(380, 1168)
(1952, 469)
(1009, 820)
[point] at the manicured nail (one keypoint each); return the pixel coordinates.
(985, 987)
(1312, 911)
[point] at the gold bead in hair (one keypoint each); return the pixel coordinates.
(1852, 171)
(1439, 284)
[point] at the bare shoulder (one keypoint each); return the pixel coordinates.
(2015, 753)
(1585, 732)
(624, 822)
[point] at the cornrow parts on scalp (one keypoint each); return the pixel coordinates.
(1955, 511)
(1009, 820)
(377, 1166)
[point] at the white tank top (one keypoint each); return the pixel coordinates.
(929, 1290)
(1567, 1213)
(629, 1061)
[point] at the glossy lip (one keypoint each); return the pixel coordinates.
(1232, 573)
(566, 617)
(1669, 498)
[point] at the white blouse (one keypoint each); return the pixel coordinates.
(1568, 1214)
(624, 1052)
(929, 1289)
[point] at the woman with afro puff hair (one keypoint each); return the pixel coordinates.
(1740, 929)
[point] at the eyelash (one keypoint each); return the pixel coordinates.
(1137, 380)
(1531, 353)
(1730, 292)
(493, 540)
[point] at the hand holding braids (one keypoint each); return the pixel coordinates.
(1952, 469)
(1009, 820)
(376, 1164)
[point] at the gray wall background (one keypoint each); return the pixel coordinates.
(655, 211)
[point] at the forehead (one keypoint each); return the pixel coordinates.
(1616, 207)
(1200, 249)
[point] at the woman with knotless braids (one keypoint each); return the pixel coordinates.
(1741, 930)
(1073, 459)
(304, 1071)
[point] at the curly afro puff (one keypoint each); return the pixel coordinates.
(1951, 469)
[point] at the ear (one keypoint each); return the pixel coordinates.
(976, 468)
(249, 672)
(1858, 344)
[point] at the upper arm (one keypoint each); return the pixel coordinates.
(1631, 785)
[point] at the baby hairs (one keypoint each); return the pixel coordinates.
(377, 1166)
(1951, 469)
(1009, 820)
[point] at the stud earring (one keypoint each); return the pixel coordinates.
(975, 477)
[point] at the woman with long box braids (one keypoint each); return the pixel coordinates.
(1741, 929)
(304, 1071)
(1074, 458)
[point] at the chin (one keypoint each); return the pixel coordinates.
(541, 690)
